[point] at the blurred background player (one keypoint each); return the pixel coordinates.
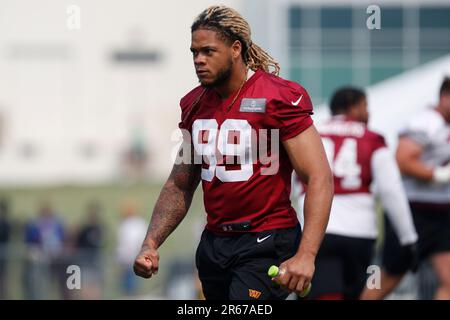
(396, 261)
(423, 155)
(244, 236)
(89, 241)
(359, 157)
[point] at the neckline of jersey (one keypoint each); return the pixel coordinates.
(225, 103)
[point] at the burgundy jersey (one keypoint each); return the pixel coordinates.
(236, 140)
(349, 146)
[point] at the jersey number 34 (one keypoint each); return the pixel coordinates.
(344, 162)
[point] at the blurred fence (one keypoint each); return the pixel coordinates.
(27, 273)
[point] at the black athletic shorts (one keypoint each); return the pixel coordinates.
(341, 266)
(235, 266)
(433, 227)
(395, 258)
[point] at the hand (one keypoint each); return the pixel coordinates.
(296, 273)
(147, 262)
(412, 256)
(442, 174)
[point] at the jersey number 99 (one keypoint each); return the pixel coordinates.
(206, 135)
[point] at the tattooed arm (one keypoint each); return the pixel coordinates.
(170, 209)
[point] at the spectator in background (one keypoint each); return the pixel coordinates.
(46, 232)
(132, 230)
(5, 232)
(45, 243)
(88, 242)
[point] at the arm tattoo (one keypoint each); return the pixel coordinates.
(173, 202)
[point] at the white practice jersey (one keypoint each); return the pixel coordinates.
(432, 132)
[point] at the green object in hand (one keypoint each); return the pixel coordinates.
(274, 271)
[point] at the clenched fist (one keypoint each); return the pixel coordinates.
(147, 262)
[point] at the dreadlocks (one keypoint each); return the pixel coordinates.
(231, 26)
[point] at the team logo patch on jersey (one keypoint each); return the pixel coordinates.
(254, 293)
(253, 105)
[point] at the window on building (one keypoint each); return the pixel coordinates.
(331, 46)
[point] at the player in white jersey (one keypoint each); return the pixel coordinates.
(423, 155)
(360, 161)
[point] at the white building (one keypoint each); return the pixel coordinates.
(81, 80)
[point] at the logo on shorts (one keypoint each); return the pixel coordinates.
(255, 294)
(262, 239)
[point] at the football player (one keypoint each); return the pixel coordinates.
(250, 129)
(363, 167)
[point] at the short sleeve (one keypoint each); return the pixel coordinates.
(182, 123)
(378, 142)
(422, 128)
(417, 134)
(186, 104)
(291, 112)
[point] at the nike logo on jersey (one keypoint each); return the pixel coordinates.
(262, 239)
(297, 102)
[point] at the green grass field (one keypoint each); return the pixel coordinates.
(70, 204)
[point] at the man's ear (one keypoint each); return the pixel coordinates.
(353, 111)
(236, 49)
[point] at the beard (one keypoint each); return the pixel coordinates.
(222, 76)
